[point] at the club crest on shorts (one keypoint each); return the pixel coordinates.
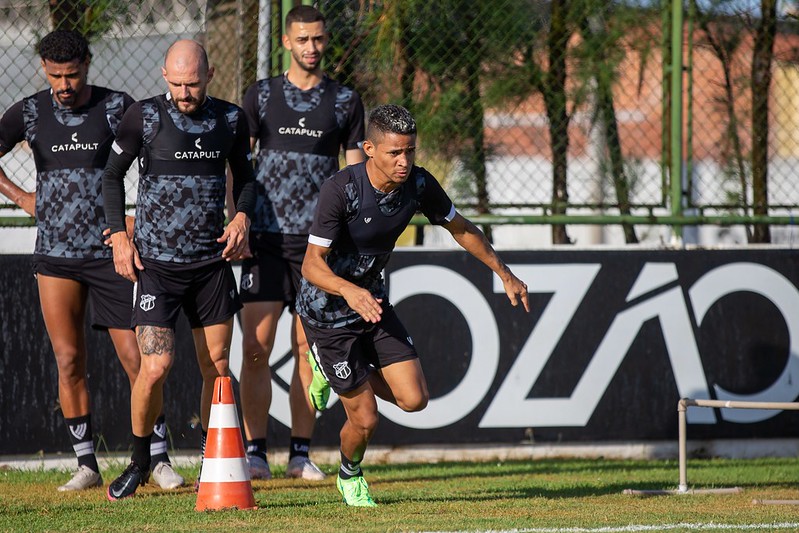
(246, 282)
(147, 302)
(342, 369)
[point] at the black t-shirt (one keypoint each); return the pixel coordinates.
(70, 148)
(300, 134)
(361, 226)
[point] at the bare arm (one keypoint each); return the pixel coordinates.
(474, 241)
(25, 200)
(353, 157)
(316, 270)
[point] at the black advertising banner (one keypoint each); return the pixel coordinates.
(614, 338)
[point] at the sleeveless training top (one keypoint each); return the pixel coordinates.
(70, 148)
(180, 207)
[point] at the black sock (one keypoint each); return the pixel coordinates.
(349, 469)
(141, 452)
(299, 447)
(80, 434)
(257, 447)
(203, 438)
(158, 445)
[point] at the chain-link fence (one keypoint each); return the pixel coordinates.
(553, 111)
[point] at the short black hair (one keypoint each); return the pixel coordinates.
(63, 46)
(390, 118)
(304, 14)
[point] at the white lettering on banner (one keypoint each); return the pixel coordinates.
(459, 402)
(655, 294)
(759, 279)
(576, 410)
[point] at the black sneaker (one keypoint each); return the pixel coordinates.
(127, 482)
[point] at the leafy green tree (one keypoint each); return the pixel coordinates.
(610, 32)
(92, 18)
(762, 57)
(538, 64)
(726, 25)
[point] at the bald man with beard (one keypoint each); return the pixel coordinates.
(180, 253)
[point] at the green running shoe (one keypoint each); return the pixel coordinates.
(319, 389)
(355, 491)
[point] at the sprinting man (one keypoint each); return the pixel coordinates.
(358, 345)
(181, 249)
(301, 120)
(70, 128)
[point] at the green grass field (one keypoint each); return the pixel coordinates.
(542, 495)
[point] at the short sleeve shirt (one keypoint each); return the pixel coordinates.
(361, 248)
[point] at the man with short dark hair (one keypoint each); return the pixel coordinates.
(301, 121)
(359, 347)
(181, 251)
(70, 128)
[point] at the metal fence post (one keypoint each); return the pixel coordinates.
(676, 165)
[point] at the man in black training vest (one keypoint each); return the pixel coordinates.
(359, 346)
(301, 121)
(70, 128)
(181, 251)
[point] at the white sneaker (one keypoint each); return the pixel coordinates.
(83, 478)
(259, 469)
(166, 477)
(303, 468)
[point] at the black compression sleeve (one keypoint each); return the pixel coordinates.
(245, 199)
(114, 189)
(240, 162)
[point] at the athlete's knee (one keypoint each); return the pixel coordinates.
(131, 361)
(154, 369)
(363, 432)
(413, 402)
(222, 366)
(153, 375)
(364, 423)
(255, 354)
(70, 360)
(212, 368)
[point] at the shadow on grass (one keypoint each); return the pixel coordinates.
(446, 471)
(496, 494)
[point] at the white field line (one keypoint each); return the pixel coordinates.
(710, 526)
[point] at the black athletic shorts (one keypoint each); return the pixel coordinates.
(205, 291)
(110, 295)
(348, 354)
(274, 272)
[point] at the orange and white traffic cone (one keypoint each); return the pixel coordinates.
(225, 478)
